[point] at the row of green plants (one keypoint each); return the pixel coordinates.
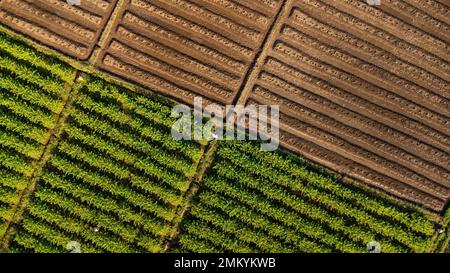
(21, 51)
(33, 89)
(271, 201)
(300, 169)
(116, 178)
(147, 123)
(442, 242)
(280, 186)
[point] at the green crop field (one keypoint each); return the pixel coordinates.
(85, 160)
(33, 92)
(115, 168)
(256, 201)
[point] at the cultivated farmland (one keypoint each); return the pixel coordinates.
(254, 201)
(33, 91)
(116, 179)
(72, 29)
(187, 48)
(363, 92)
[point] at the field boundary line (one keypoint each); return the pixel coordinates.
(52, 142)
(205, 162)
(107, 31)
(261, 56)
(171, 224)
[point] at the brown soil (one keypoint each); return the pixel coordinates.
(364, 90)
(74, 30)
(186, 48)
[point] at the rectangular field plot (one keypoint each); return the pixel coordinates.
(116, 179)
(253, 201)
(365, 91)
(32, 95)
(72, 29)
(187, 48)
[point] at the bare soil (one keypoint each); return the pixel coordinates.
(364, 90)
(71, 29)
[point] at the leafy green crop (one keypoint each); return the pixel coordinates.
(116, 178)
(271, 202)
(32, 94)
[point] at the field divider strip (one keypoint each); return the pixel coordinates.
(107, 32)
(205, 162)
(266, 46)
(39, 164)
(443, 245)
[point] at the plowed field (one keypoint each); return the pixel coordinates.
(187, 48)
(364, 91)
(72, 29)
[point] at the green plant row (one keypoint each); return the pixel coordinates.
(6, 213)
(57, 241)
(127, 139)
(12, 180)
(16, 163)
(274, 230)
(311, 210)
(274, 162)
(30, 94)
(239, 231)
(80, 233)
(104, 164)
(25, 110)
(193, 244)
(203, 232)
(163, 194)
(154, 112)
(142, 149)
(127, 100)
(288, 219)
(26, 148)
(122, 210)
(8, 196)
(173, 179)
(29, 131)
(23, 52)
(48, 83)
(123, 234)
(328, 201)
(35, 243)
(114, 114)
(112, 169)
(94, 160)
(33, 87)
